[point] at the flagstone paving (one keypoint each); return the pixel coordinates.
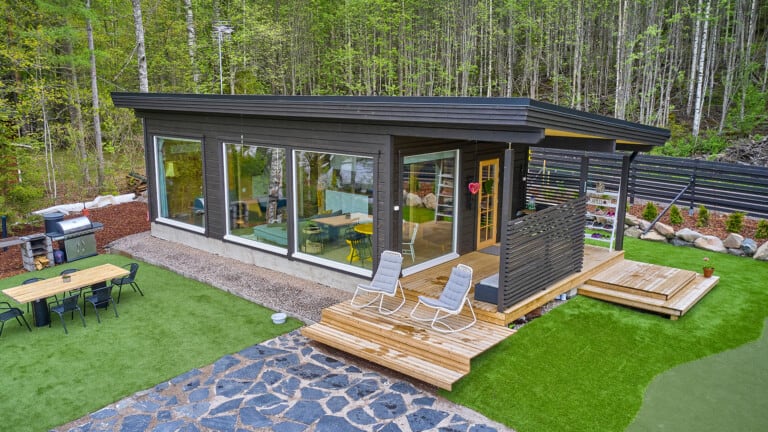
(284, 385)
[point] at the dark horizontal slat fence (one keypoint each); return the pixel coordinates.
(718, 186)
(542, 248)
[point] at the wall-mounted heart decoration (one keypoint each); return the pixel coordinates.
(474, 188)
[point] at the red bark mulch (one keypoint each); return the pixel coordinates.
(119, 221)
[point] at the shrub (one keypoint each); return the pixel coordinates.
(24, 198)
(762, 229)
(650, 212)
(735, 222)
(675, 218)
(702, 219)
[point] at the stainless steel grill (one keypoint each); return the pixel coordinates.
(77, 234)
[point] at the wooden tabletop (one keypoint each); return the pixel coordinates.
(56, 285)
(337, 221)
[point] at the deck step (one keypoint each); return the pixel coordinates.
(403, 336)
(684, 299)
(387, 356)
(643, 279)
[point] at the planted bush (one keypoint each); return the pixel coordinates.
(762, 229)
(650, 211)
(675, 217)
(735, 222)
(702, 218)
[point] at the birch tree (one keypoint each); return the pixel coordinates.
(141, 55)
(95, 108)
(191, 44)
(700, 73)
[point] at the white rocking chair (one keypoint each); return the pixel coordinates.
(451, 301)
(385, 283)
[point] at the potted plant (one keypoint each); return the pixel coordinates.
(708, 267)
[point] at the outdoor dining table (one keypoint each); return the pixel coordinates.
(38, 292)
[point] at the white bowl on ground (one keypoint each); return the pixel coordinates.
(279, 318)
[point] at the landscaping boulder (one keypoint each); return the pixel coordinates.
(654, 236)
(631, 220)
(733, 241)
(749, 247)
(430, 201)
(633, 231)
(688, 235)
(736, 252)
(413, 200)
(762, 252)
(709, 243)
(664, 229)
(680, 242)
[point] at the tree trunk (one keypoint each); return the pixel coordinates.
(700, 75)
(192, 45)
(76, 117)
(141, 55)
(95, 95)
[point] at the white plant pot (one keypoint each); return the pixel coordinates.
(279, 318)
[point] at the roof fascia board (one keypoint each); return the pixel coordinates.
(479, 113)
(587, 144)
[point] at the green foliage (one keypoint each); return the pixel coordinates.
(702, 217)
(25, 197)
(675, 218)
(650, 211)
(754, 116)
(735, 222)
(762, 229)
(688, 145)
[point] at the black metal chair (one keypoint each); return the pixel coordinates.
(68, 304)
(128, 280)
(32, 280)
(70, 271)
(8, 312)
(101, 298)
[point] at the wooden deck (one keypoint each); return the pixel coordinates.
(402, 344)
(414, 349)
(664, 290)
(430, 282)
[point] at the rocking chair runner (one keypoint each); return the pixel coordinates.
(451, 301)
(386, 282)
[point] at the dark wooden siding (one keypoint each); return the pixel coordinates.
(540, 249)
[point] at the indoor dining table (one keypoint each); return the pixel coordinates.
(38, 292)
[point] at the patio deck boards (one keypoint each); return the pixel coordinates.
(398, 342)
(402, 344)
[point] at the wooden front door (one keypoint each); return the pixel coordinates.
(487, 203)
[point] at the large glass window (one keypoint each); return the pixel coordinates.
(429, 197)
(180, 180)
(334, 198)
(256, 193)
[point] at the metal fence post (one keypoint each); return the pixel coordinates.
(5, 228)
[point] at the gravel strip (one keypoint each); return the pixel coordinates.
(297, 297)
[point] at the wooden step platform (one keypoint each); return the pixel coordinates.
(643, 279)
(404, 345)
(658, 289)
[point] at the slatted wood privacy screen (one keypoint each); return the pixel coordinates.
(542, 248)
(718, 186)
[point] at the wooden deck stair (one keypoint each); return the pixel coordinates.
(404, 345)
(664, 290)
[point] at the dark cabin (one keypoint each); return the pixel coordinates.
(319, 186)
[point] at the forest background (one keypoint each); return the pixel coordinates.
(697, 67)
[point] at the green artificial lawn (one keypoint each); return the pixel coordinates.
(585, 365)
(722, 392)
(50, 378)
